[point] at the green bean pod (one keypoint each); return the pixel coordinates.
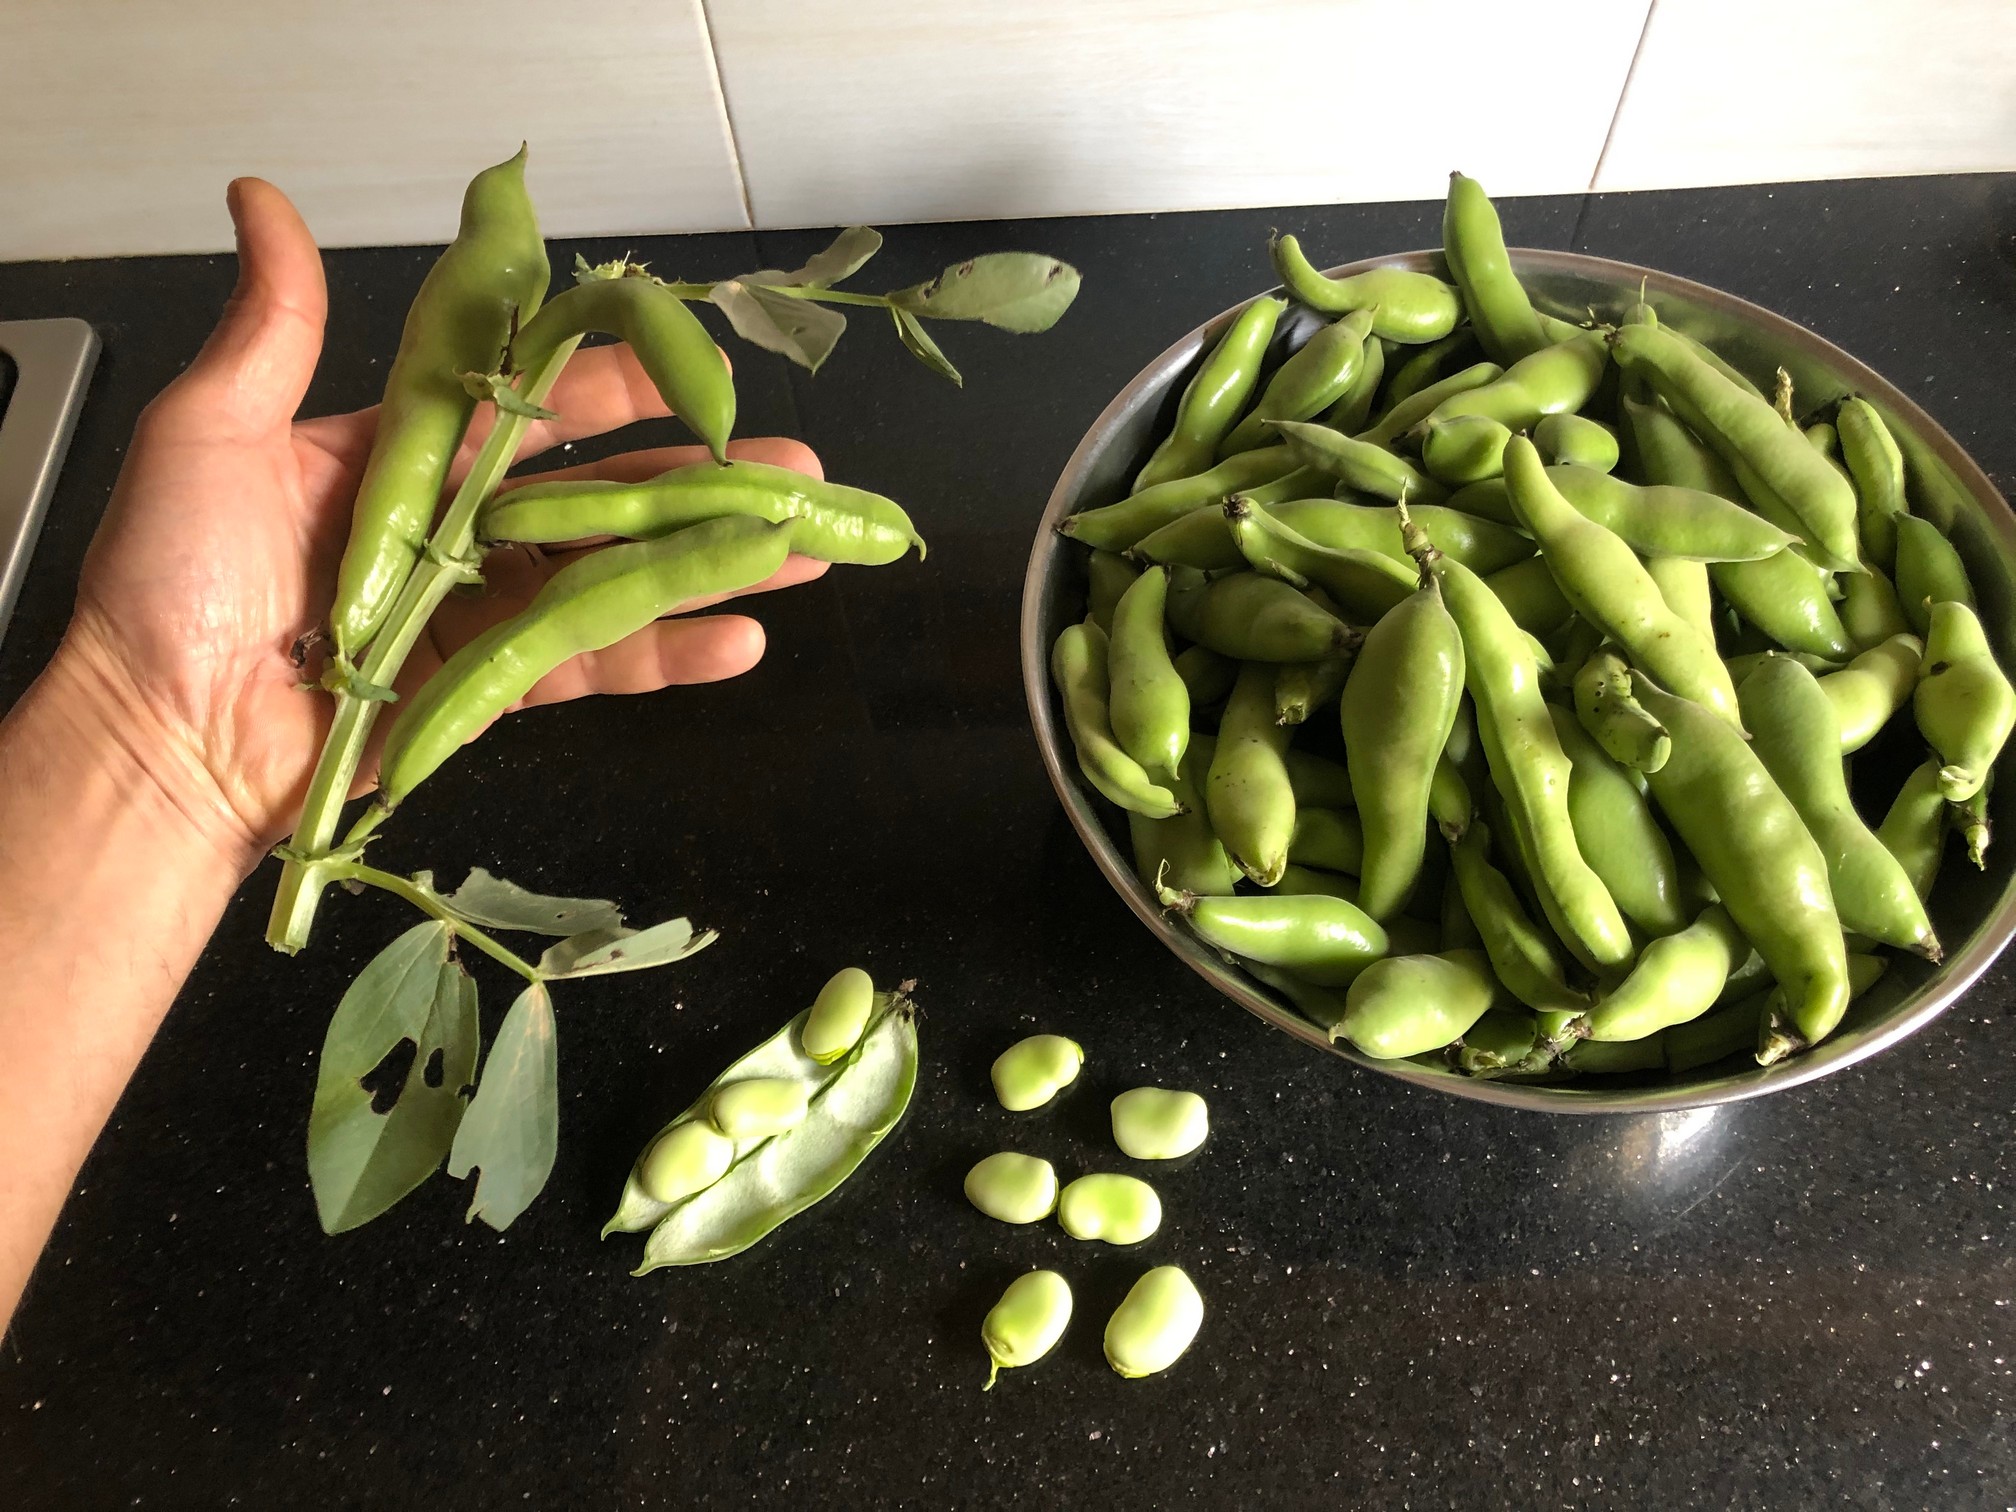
(592, 602)
(1501, 1040)
(1216, 397)
(1522, 952)
(1078, 665)
(1876, 466)
(1463, 449)
(1353, 407)
(1870, 610)
(1406, 306)
(1312, 882)
(1406, 413)
(1184, 843)
(1610, 712)
(1117, 527)
(677, 355)
(1108, 575)
(1871, 688)
(1915, 828)
(1458, 930)
(1473, 244)
(1247, 792)
(1963, 703)
(836, 523)
(491, 275)
(1198, 539)
(1206, 675)
(1549, 381)
(1756, 851)
(1685, 587)
(1745, 429)
(1617, 833)
(1664, 520)
(1313, 378)
(1150, 706)
(1332, 839)
(1615, 1057)
(1303, 688)
(1797, 737)
(1254, 617)
(1406, 1005)
(1483, 546)
(1365, 584)
(1929, 571)
(1677, 978)
(1397, 710)
(1532, 596)
(1360, 464)
(1777, 1037)
(1575, 440)
(1322, 939)
(1424, 366)
(1603, 578)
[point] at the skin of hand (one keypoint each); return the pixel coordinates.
(170, 724)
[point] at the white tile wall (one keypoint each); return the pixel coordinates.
(1754, 91)
(888, 110)
(121, 122)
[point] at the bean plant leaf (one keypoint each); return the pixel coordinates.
(512, 1130)
(920, 345)
(497, 904)
(797, 328)
(1017, 291)
(598, 952)
(361, 1161)
(842, 259)
(587, 272)
(850, 1106)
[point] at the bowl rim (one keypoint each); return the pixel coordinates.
(1960, 969)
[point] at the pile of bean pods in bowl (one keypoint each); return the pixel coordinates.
(1535, 676)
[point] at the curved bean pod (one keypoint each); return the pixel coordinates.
(1617, 833)
(1473, 244)
(1546, 382)
(1406, 306)
(1254, 617)
(1929, 571)
(1360, 464)
(1404, 414)
(1078, 667)
(1484, 546)
(1247, 793)
(1915, 828)
(1215, 397)
(1522, 953)
(1871, 688)
(1365, 584)
(1116, 527)
(1319, 937)
(1407, 1005)
(1313, 378)
(1677, 978)
(1963, 703)
(1567, 439)
(1149, 705)
(1876, 466)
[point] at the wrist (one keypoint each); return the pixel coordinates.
(105, 767)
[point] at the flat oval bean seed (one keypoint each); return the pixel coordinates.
(1963, 703)
(1032, 1071)
(1871, 688)
(1215, 398)
(1404, 305)
(1026, 1323)
(1155, 1123)
(1078, 666)
(689, 1157)
(1013, 1188)
(1154, 1324)
(839, 1015)
(1405, 1005)
(1929, 571)
(1576, 440)
(1117, 1209)
(758, 1108)
(1117, 527)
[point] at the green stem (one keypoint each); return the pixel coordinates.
(434, 906)
(444, 564)
(699, 291)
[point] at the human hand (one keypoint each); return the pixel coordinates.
(219, 549)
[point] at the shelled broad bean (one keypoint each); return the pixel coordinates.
(1657, 596)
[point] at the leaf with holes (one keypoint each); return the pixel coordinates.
(797, 328)
(512, 1130)
(362, 1159)
(599, 952)
(918, 342)
(842, 258)
(1017, 291)
(497, 904)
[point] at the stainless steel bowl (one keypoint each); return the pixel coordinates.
(1974, 912)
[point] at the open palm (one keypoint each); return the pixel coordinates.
(217, 558)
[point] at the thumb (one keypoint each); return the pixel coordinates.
(256, 366)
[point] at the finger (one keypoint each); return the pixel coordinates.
(637, 466)
(601, 389)
(664, 654)
(254, 370)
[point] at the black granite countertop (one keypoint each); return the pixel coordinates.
(1412, 1300)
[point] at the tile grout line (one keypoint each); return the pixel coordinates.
(1616, 115)
(728, 114)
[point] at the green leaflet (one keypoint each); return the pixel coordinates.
(360, 1161)
(794, 328)
(598, 952)
(497, 904)
(1017, 291)
(843, 257)
(917, 341)
(853, 1103)
(512, 1130)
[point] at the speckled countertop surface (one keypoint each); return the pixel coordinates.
(1412, 1301)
